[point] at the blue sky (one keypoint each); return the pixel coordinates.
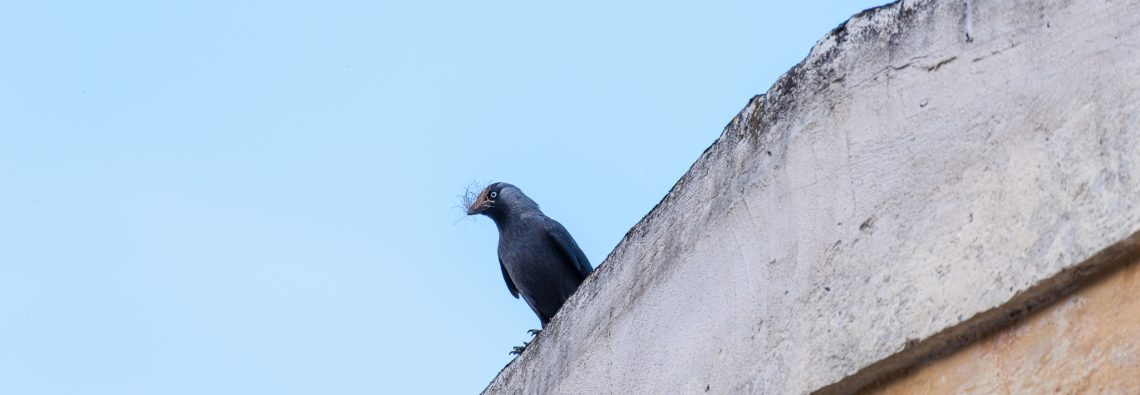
(255, 197)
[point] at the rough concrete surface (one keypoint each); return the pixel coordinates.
(1086, 343)
(931, 169)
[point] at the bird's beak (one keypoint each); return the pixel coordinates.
(480, 205)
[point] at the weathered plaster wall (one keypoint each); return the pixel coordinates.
(931, 170)
(1086, 343)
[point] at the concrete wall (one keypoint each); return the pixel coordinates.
(1086, 343)
(932, 170)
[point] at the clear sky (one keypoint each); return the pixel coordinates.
(261, 197)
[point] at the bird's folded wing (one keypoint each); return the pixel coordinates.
(569, 247)
(507, 278)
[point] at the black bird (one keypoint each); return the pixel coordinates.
(539, 259)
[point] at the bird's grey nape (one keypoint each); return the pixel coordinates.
(519, 201)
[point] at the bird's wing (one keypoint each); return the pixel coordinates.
(507, 278)
(566, 244)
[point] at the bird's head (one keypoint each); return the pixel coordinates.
(500, 198)
(486, 199)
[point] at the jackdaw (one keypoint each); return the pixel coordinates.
(538, 258)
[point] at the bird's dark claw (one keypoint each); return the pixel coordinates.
(534, 332)
(519, 349)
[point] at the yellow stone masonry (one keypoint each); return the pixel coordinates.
(1085, 343)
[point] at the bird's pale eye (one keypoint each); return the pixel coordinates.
(493, 194)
